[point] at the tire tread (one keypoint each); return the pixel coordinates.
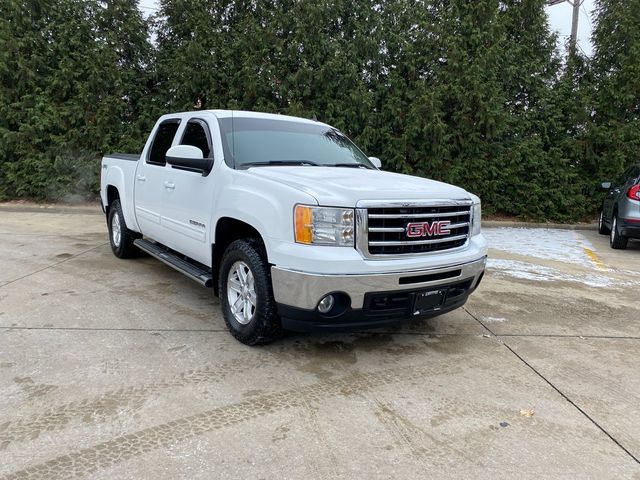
(266, 326)
(126, 249)
(617, 241)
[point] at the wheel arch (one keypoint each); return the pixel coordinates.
(112, 194)
(227, 230)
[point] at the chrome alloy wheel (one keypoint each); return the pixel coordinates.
(116, 230)
(241, 292)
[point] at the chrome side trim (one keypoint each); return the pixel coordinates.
(304, 290)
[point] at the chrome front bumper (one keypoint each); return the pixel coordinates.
(304, 290)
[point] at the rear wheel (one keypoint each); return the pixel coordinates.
(246, 294)
(602, 228)
(120, 237)
(616, 240)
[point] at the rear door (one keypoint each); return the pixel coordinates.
(188, 203)
(149, 178)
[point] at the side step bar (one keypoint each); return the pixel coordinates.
(201, 276)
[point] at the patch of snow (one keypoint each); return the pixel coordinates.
(630, 273)
(494, 319)
(539, 273)
(552, 244)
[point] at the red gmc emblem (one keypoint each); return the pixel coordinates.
(424, 229)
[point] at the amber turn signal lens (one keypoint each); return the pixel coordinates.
(304, 224)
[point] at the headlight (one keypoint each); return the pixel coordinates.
(476, 218)
(324, 225)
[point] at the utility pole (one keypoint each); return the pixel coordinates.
(574, 21)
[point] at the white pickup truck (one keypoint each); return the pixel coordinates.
(291, 224)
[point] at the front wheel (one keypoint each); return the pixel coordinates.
(616, 240)
(246, 294)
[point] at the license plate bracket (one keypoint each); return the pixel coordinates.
(428, 301)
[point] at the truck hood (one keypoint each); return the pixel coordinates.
(345, 187)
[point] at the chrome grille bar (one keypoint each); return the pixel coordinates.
(419, 215)
(400, 230)
(386, 230)
(417, 242)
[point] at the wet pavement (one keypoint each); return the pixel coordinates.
(124, 369)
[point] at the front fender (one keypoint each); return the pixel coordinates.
(267, 208)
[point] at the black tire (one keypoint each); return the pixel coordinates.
(264, 325)
(122, 246)
(616, 240)
(602, 228)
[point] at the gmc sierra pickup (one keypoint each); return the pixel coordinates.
(291, 224)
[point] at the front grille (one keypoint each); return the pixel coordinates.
(387, 229)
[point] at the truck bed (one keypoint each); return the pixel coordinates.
(119, 170)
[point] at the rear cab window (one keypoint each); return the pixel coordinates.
(162, 142)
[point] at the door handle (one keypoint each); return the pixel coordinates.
(169, 185)
(141, 178)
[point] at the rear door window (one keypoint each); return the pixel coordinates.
(162, 142)
(195, 134)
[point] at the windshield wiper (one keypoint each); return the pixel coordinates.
(277, 163)
(349, 165)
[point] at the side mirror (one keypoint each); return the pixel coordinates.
(605, 186)
(376, 162)
(187, 157)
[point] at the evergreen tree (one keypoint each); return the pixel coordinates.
(615, 131)
(540, 177)
(71, 76)
(473, 93)
(24, 33)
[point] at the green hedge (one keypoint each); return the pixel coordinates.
(473, 93)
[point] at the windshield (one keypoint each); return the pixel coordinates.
(259, 141)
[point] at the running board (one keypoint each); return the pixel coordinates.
(194, 273)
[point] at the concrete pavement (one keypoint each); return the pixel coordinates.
(124, 369)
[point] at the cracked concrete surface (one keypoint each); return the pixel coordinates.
(124, 369)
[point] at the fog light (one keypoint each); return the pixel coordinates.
(326, 304)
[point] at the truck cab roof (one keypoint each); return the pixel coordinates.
(241, 114)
